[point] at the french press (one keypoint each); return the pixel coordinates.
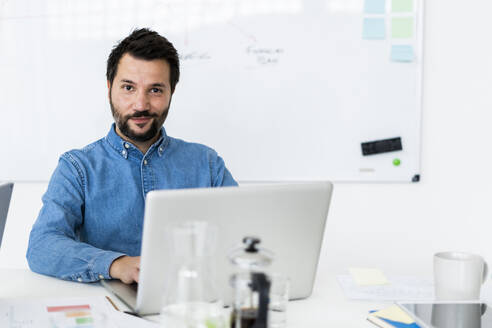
(251, 285)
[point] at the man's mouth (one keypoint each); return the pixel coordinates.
(141, 120)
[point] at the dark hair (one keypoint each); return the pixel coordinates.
(148, 45)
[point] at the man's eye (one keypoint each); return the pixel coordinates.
(156, 90)
(128, 87)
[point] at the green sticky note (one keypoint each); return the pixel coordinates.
(402, 6)
(402, 28)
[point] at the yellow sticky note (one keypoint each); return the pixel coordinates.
(394, 313)
(368, 277)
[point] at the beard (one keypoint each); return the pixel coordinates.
(124, 127)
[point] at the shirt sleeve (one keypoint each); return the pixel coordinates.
(220, 174)
(54, 247)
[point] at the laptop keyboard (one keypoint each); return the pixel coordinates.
(134, 286)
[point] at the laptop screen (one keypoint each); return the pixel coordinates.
(5, 195)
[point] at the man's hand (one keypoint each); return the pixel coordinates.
(125, 268)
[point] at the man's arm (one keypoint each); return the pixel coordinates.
(54, 248)
(221, 177)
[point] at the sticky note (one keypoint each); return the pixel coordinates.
(375, 6)
(374, 29)
(368, 277)
(402, 28)
(402, 53)
(394, 313)
(402, 6)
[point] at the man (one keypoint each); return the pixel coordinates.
(90, 225)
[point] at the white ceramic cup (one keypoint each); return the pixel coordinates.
(458, 276)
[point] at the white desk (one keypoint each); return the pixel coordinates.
(326, 308)
(347, 243)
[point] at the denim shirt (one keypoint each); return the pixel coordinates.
(94, 206)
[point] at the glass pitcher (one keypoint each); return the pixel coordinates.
(191, 298)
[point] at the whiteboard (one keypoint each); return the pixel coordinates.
(282, 89)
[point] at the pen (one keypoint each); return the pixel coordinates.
(112, 303)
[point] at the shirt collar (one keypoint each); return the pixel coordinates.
(123, 147)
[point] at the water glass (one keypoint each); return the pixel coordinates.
(279, 297)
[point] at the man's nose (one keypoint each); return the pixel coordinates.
(142, 102)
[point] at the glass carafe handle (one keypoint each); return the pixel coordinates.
(261, 284)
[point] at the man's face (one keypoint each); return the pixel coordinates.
(140, 97)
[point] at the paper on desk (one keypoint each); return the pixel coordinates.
(123, 320)
(399, 288)
(394, 313)
(60, 313)
(94, 312)
(368, 277)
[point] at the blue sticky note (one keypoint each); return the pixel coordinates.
(374, 29)
(402, 53)
(375, 6)
(398, 324)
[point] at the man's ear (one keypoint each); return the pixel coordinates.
(109, 90)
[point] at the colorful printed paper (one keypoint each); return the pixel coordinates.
(374, 29)
(88, 312)
(402, 27)
(402, 53)
(71, 315)
(375, 6)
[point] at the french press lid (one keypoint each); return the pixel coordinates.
(250, 256)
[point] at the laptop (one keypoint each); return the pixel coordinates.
(288, 218)
(5, 195)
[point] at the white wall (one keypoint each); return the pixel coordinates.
(388, 225)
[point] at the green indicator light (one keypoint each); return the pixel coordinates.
(396, 162)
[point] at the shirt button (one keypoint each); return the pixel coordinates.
(123, 152)
(145, 162)
(127, 145)
(160, 149)
(101, 277)
(79, 279)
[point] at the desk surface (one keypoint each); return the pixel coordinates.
(346, 243)
(327, 307)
